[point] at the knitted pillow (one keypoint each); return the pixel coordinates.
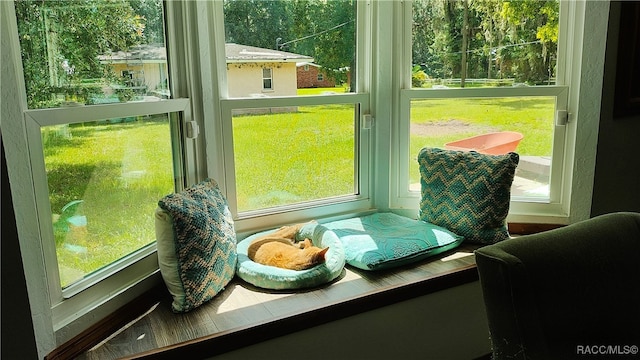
(197, 258)
(467, 192)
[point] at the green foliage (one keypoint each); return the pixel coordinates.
(324, 30)
(506, 39)
(61, 41)
(418, 76)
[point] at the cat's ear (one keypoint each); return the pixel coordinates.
(320, 255)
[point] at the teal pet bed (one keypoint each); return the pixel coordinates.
(270, 277)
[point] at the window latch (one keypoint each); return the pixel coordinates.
(192, 129)
(562, 117)
(367, 121)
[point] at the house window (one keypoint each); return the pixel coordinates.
(320, 77)
(267, 79)
(465, 86)
(104, 150)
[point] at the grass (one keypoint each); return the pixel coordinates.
(532, 116)
(294, 157)
(120, 171)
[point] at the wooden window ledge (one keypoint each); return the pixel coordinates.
(243, 315)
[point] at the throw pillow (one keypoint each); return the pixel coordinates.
(467, 192)
(197, 257)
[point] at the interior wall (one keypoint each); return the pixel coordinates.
(617, 175)
(18, 338)
(449, 324)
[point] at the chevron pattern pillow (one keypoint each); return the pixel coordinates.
(467, 192)
(200, 258)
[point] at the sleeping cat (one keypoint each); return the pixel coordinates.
(279, 249)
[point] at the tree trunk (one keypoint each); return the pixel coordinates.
(465, 40)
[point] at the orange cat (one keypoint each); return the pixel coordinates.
(279, 249)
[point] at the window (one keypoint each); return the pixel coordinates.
(298, 149)
(267, 79)
(105, 146)
(481, 74)
(320, 77)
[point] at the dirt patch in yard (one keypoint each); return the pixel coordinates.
(448, 127)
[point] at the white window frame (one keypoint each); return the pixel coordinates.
(63, 313)
(119, 274)
(361, 200)
(557, 209)
(269, 78)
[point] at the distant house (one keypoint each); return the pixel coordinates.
(310, 75)
(251, 71)
(145, 67)
(254, 71)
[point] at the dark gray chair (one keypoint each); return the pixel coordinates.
(565, 293)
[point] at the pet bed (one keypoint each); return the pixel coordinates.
(270, 277)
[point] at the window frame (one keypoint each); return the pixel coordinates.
(138, 264)
(359, 202)
(266, 79)
(556, 210)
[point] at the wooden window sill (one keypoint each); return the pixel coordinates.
(242, 314)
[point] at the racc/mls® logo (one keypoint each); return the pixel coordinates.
(607, 349)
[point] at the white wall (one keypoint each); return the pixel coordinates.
(245, 79)
(449, 324)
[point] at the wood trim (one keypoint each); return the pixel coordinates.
(526, 229)
(223, 342)
(107, 326)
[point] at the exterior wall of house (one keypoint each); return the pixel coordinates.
(308, 77)
(245, 79)
(152, 75)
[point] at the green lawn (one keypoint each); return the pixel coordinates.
(531, 116)
(294, 157)
(120, 171)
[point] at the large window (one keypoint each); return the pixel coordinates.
(104, 138)
(293, 144)
(483, 78)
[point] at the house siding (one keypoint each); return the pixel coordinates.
(245, 80)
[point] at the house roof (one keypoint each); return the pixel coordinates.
(244, 53)
(307, 63)
(235, 53)
(149, 53)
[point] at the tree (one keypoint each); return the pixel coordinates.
(486, 38)
(257, 22)
(534, 24)
(61, 42)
